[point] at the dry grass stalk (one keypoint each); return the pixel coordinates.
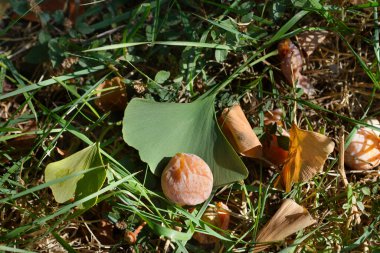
(289, 219)
(341, 158)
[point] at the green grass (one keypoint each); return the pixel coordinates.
(226, 49)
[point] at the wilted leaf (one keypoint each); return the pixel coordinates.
(238, 131)
(289, 219)
(161, 130)
(4, 5)
(274, 116)
(291, 66)
(358, 1)
(308, 152)
(310, 40)
(73, 8)
(79, 186)
(112, 95)
(276, 139)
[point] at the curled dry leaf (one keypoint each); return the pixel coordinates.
(358, 1)
(272, 150)
(310, 40)
(187, 180)
(112, 95)
(217, 216)
(4, 5)
(73, 8)
(363, 152)
(291, 66)
(308, 152)
(289, 219)
(239, 133)
(21, 145)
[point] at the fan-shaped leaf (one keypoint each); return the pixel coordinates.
(79, 186)
(308, 152)
(160, 130)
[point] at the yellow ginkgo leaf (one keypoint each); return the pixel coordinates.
(308, 152)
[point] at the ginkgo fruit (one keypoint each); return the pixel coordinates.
(187, 180)
(363, 152)
(218, 216)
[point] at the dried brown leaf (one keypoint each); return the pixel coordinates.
(308, 152)
(4, 6)
(310, 40)
(291, 66)
(239, 133)
(273, 117)
(272, 151)
(112, 95)
(358, 1)
(289, 219)
(71, 7)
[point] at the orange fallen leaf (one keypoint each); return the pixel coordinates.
(289, 219)
(308, 152)
(272, 150)
(275, 138)
(239, 133)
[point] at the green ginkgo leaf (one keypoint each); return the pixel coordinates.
(77, 187)
(160, 130)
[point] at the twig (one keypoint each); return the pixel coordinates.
(341, 158)
(92, 234)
